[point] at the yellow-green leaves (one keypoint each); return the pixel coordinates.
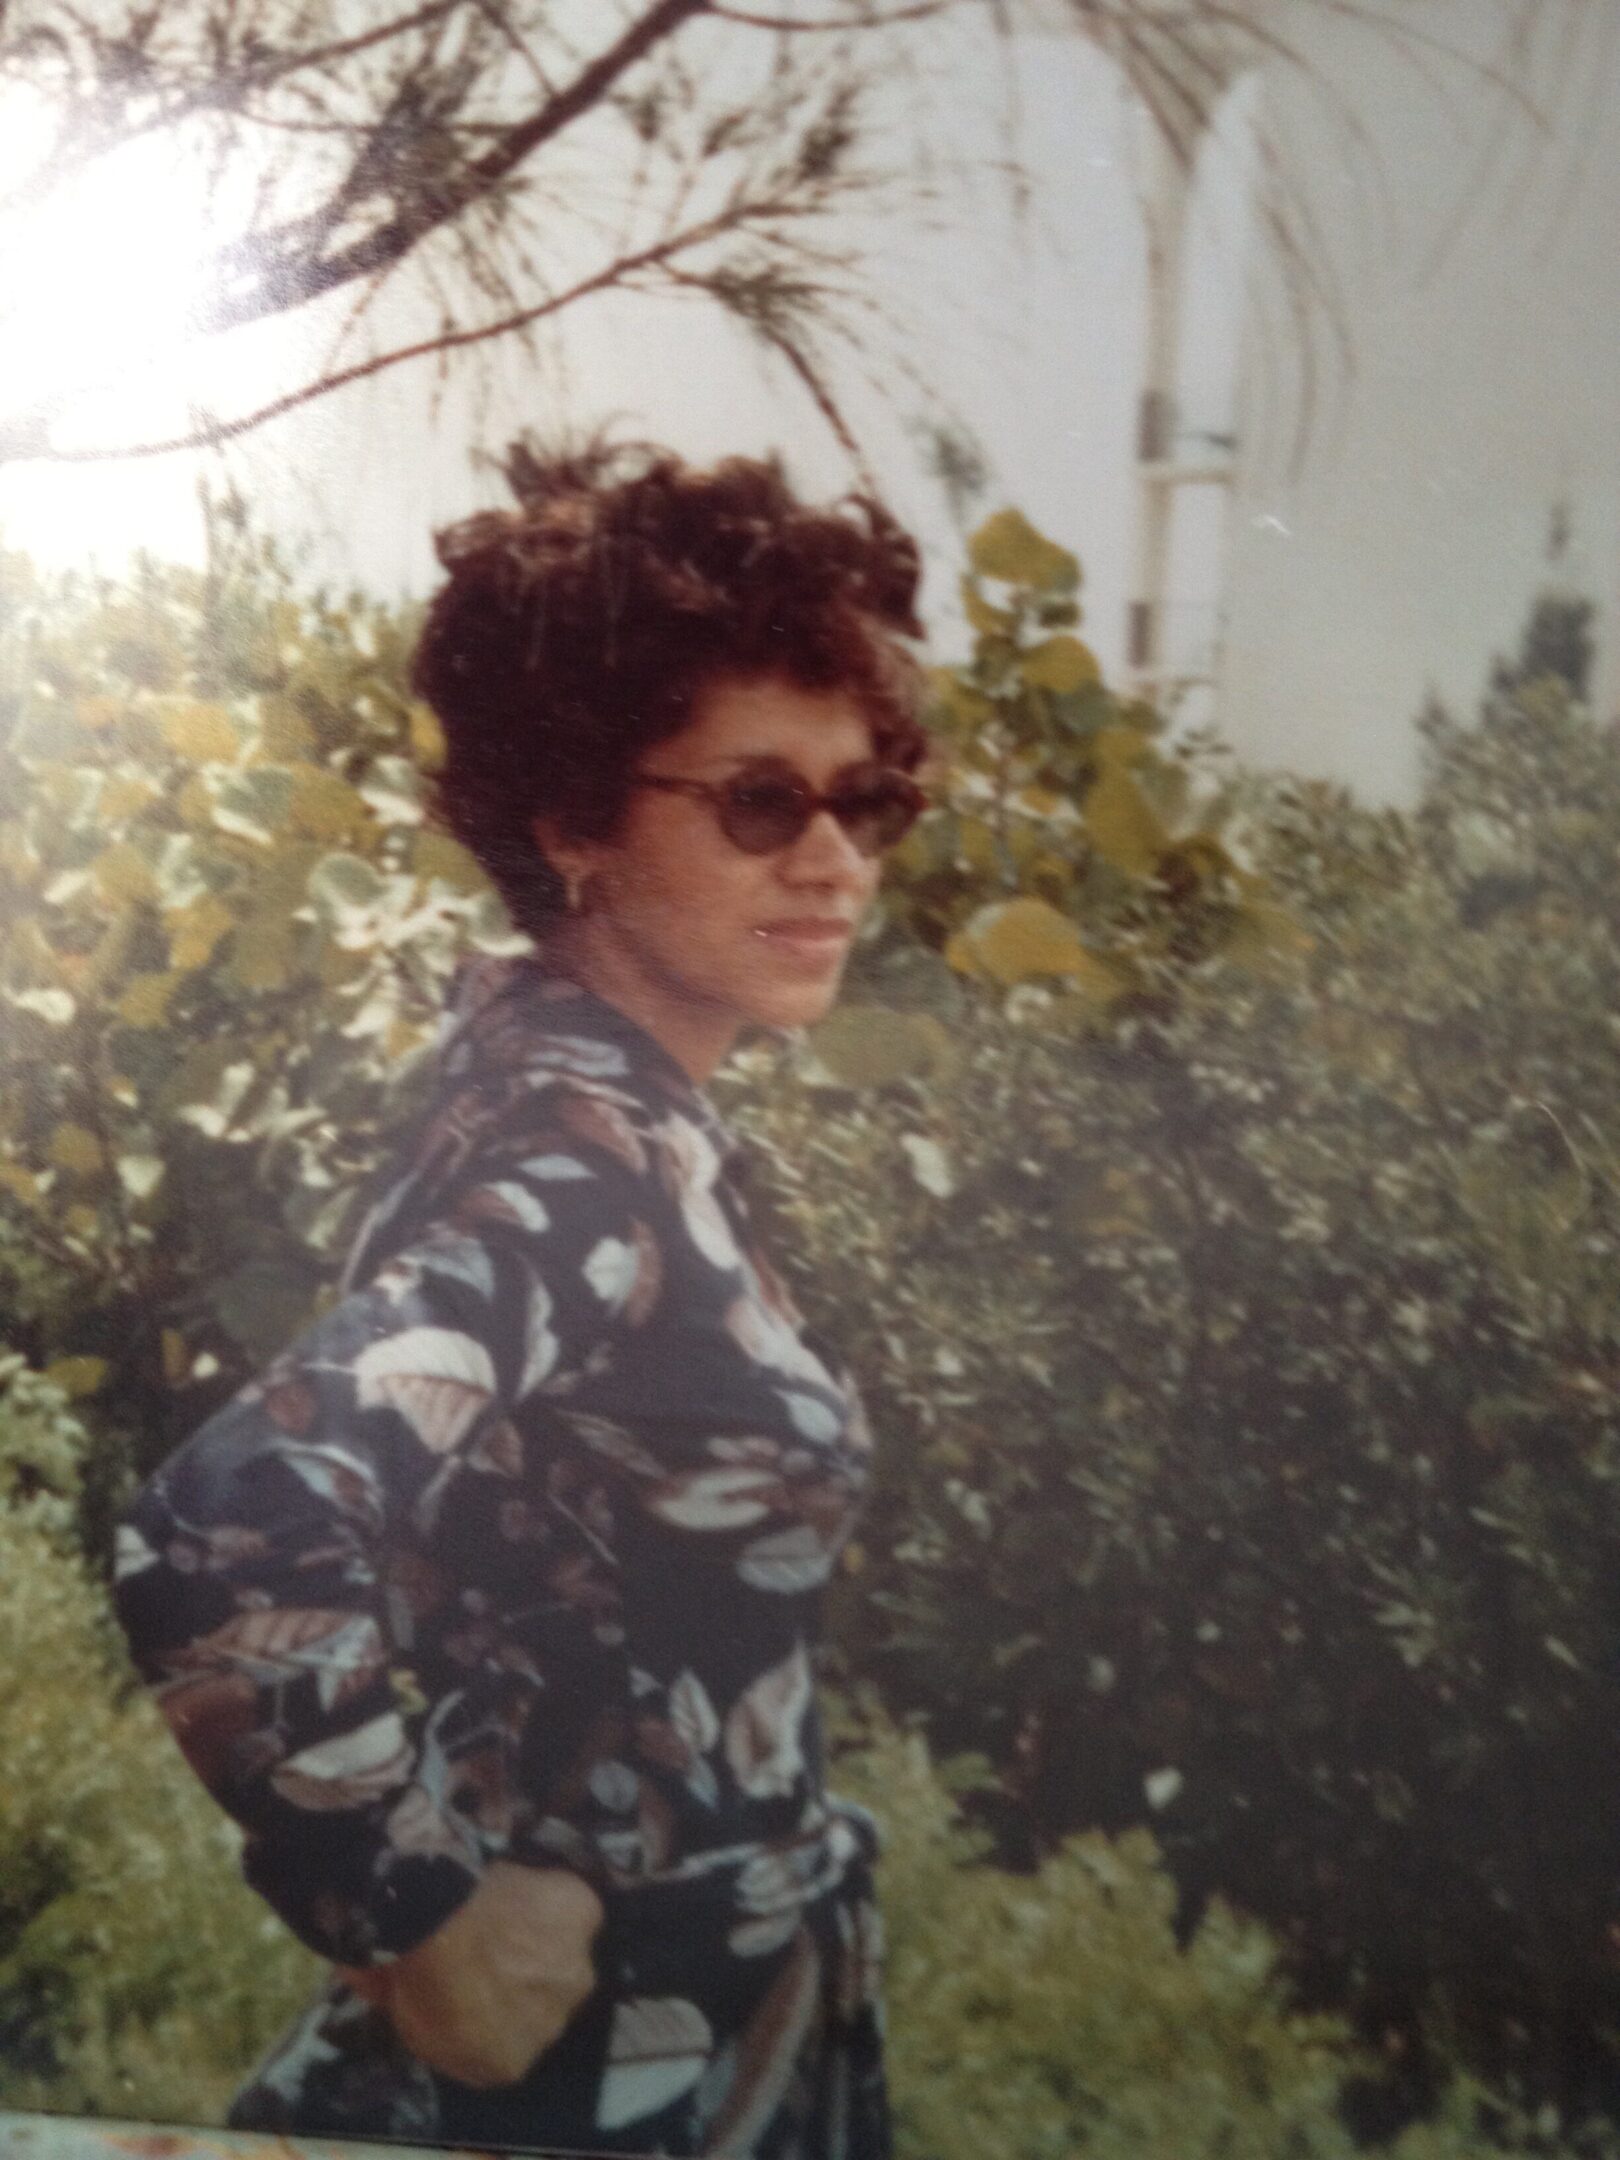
(284, 729)
(1016, 941)
(123, 875)
(212, 865)
(437, 855)
(196, 930)
(324, 805)
(195, 801)
(426, 738)
(1059, 663)
(1071, 841)
(21, 1184)
(203, 734)
(254, 805)
(1008, 547)
(176, 1357)
(344, 885)
(988, 621)
(263, 954)
(145, 1002)
(1038, 796)
(1267, 940)
(1122, 823)
(961, 704)
(1108, 1201)
(123, 795)
(75, 1148)
(77, 1376)
(861, 1046)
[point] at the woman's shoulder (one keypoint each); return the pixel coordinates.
(547, 1091)
(542, 1054)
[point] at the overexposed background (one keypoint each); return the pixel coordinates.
(1469, 389)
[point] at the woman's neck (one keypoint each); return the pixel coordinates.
(696, 1034)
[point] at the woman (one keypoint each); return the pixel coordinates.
(488, 1610)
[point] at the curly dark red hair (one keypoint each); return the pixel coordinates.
(576, 630)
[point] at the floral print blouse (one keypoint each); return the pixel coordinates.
(518, 1553)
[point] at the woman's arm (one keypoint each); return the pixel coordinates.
(284, 1582)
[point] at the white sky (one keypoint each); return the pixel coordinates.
(1402, 554)
(1486, 389)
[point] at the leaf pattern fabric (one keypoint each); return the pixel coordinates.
(518, 1554)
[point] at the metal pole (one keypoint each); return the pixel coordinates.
(1166, 197)
(1164, 467)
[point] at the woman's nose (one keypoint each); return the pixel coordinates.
(824, 852)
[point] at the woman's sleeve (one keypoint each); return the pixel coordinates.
(270, 1577)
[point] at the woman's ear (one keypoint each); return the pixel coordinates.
(572, 860)
(554, 844)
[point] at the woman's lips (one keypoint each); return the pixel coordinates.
(817, 938)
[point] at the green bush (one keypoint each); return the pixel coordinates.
(1069, 839)
(1039, 2017)
(1248, 1367)
(138, 1976)
(225, 932)
(1056, 2014)
(1032, 2017)
(226, 929)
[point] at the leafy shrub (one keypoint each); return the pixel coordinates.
(1057, 2014)
(226, 930)
(1248, 1371)
(224, 935)
(1070, 841)
(137, 1975)
(1038, 2017)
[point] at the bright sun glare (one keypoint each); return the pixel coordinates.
(98, 276)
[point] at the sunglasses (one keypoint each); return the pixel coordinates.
(763, 812)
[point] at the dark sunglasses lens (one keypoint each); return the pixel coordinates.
(759, 816)
(880, 813)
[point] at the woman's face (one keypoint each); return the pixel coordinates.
(690, 934)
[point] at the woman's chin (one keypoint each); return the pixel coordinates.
(795, 1005)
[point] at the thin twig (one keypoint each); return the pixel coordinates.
(617, 273)
(282, 285)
